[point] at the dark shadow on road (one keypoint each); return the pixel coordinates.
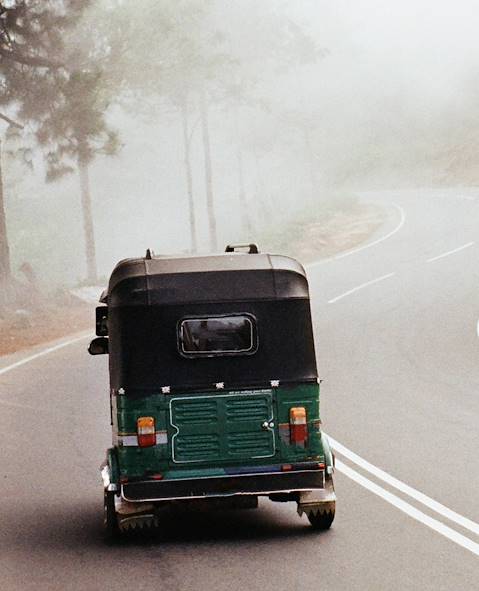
(67, 528)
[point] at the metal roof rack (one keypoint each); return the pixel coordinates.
(252, 248)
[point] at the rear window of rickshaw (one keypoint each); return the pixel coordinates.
(218, 335)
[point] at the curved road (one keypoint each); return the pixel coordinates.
(398, 340)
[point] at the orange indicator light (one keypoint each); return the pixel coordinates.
(145, 427)
(298, 425)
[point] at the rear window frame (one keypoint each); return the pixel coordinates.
(208, 354)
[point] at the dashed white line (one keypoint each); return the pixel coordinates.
(449, 252)
(407, 508)
(391, 498)
(406, 489)
(362, 286)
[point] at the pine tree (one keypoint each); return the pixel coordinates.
(55, 85)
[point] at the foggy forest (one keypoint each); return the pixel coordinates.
(238, 287)
(181, 126)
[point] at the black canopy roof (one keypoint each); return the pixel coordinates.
(201, 279)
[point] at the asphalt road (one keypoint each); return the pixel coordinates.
(397, 342)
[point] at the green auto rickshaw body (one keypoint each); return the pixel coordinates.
(215, 355)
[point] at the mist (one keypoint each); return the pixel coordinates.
(326, 100)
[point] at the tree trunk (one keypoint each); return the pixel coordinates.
(5, 268)
(208, 174)
(263, 198)
(189, 177)
(87, 221)
(312, 171)
(245, 216)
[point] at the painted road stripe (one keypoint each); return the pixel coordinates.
(404, 488)
(402, 219)
(42, 353)
(362, 286)
(449, 252)
(405, 507)
(396, 229)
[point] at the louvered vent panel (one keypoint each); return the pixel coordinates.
(197, 447)
(250, 444)
(195, 412)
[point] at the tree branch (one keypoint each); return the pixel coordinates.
(11, 121)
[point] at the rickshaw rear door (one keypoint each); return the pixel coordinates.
(223, 428)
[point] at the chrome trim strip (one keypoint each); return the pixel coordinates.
(237, 475)
(132, 440)
(219, 495)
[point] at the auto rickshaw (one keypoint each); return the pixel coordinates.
(214, 391)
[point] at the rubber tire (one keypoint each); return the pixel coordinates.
(321, 521)
(111, 528)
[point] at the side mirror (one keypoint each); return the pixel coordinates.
(101, 317)
(98, 346)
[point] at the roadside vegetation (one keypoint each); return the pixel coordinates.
(70, 67)
(338, 225)
(311, 235)
(185, 125)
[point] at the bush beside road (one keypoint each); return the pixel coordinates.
(311, 236)
(326, 231)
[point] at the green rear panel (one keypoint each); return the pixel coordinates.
(208, 432)
(218, 428)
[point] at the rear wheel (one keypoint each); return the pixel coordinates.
(110, 519)
(321, 520)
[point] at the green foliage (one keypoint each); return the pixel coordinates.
(53, 85)
(76, 128)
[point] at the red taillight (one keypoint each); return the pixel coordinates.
(145, 428)
(298, 427)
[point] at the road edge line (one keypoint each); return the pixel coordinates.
(435, 506)
(408, 509)
(43, 352)
(368, 245)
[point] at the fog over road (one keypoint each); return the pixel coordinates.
(397, 342)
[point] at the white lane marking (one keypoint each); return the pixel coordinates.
(396, 229)
(477, 328)
(446, 254)
(352, 474)
(362, 286)
(360, 248)
(42, 353)
(405, 507)
(404, 488)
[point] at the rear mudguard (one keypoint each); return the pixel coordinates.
(328, 453)
(324, 500)
(110, 472)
